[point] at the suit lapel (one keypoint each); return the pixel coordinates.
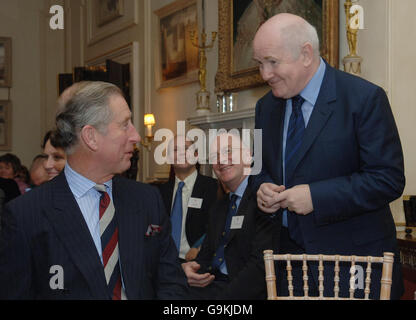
(131, 234)
(73, 231)
(321, 113)
(276, 124)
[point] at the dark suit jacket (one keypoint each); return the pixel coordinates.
(196, 219)
(10, 188)
(45, 227)
(352, 159)
(244, 251)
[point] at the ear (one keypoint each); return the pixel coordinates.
(89, 136)
(307, 54)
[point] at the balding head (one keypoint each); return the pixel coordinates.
(290, 31)
(286, 48)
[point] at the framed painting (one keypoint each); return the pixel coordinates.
(5, 62)
(240, 19)
(177, 55)
(109, 10)
(108, 17)
(5, 125)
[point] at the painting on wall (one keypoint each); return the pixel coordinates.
(240, 19)
(5, 125)
(5, 62)
(178, 56)
(108, 17)
(109, 10)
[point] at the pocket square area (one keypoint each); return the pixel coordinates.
(153, 230)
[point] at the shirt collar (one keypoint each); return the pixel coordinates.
(241, 188)
(189, 180)
(311, 91)
(79, 184)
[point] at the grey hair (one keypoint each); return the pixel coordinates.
(87, 106)
(296, 35)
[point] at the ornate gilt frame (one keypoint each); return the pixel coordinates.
(225, 80)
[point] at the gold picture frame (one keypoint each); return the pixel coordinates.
(5, 62)
(177, 59)
(5, 125)
(228, 78)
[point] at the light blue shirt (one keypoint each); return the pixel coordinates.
(239, 192)
(88, 200)
(310, 94)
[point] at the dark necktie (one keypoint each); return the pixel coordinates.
(295, 133)
(176, 216)
(219, 256)
(109, 244)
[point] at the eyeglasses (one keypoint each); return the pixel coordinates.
(225, 152)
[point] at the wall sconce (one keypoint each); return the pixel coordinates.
(149, 122)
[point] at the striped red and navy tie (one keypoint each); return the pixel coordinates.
(109, 244)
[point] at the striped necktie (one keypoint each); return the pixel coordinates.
(109, 244)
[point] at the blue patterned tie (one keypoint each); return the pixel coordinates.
(295, 133)
(219, 256)
(176, 216)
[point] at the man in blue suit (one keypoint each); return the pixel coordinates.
(332, 157)
(90, 233)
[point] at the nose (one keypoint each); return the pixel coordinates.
(135, 136)
(48, 163)
(266, 73)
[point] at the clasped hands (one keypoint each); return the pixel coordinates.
(196, 279)
(271, 197)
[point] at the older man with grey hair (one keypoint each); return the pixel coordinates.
(332, 157)
(89, 234)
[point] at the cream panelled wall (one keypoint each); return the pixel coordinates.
(36, 60)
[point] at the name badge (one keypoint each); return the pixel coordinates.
(195, 203)
(237, 222)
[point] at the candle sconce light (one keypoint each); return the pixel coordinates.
(149, 122)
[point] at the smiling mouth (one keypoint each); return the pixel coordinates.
(226, 168)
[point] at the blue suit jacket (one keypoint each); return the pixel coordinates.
(352, 159)
(45, 227)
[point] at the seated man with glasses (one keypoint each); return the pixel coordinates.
(230, 264)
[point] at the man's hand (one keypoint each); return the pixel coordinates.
(297, 199)
(267, 197)
(195, 279)
(192, 253)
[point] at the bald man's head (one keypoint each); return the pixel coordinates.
(290, 31)
(286, 47)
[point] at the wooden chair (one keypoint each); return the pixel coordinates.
(386, 278)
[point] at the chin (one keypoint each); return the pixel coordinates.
(52, 175)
